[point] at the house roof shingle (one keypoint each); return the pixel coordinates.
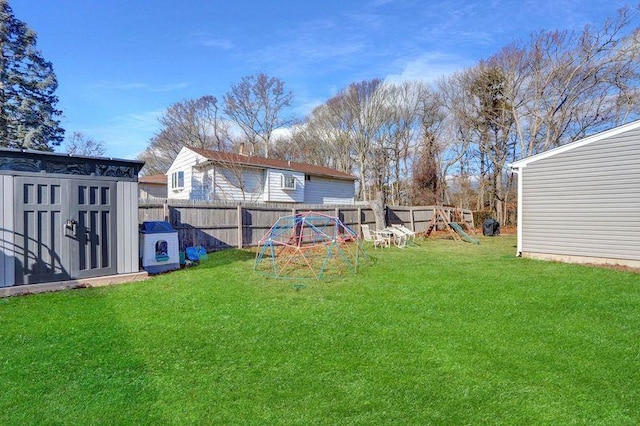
(154, 179)
(310, 169)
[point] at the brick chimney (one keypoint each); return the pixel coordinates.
(241, 149)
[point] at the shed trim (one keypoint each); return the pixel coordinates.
(577, 144)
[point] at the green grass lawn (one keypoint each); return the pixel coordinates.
(447, 332)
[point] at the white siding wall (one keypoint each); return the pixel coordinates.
(254, 185)
(127, 219)
(274, 191)
(7, 261)
(320, 190)
(200, 185)
(185, 160)
(584, 202)
(237, 185)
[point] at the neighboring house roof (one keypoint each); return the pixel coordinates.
(154, 179)
(573, 145)
(272, 163)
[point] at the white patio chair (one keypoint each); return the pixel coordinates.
(411, 236)
(399, 237)
(379, 239)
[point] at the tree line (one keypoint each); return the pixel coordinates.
(449, 142)
(416, 143)
(249, 113)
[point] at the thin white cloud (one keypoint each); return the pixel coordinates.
(319, 47)
(318, 41)
(210, 40)
(429, 67)
(218, 43)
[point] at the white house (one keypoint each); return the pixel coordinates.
(580, 202)
(200, 174)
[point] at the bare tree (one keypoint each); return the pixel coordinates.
(576, 83)
(256, 105)
(195, 123)
(432, 144)
(358, 111)
(319, 141)
(561, 87)
(458, 153)
(397, 137)
(372, 129)
(80, 144)
(528, 98)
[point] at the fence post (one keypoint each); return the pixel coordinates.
(240, 226)
(165, 210)
(359, 221)
(413, 225)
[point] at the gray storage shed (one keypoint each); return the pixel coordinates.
(580, 202)
(66, 217)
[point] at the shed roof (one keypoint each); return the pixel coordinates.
(271, 163)
(577, 144)
(31, 161)
(25, 152)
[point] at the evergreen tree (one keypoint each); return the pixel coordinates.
(28, 114)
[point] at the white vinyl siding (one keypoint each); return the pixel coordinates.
(204, 180)
(275, 192)
(320, 190)
(585, 201)
(237, 184)
(185, 160)
(200, 185)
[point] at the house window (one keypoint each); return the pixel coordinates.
(307, 177)
(288, 182)
(177, 180)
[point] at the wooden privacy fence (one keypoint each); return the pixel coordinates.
(219, 225)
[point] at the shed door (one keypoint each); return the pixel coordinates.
(40, 247)
(65, 229)
(93, 251)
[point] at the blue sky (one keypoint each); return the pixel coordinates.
(121, 63)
